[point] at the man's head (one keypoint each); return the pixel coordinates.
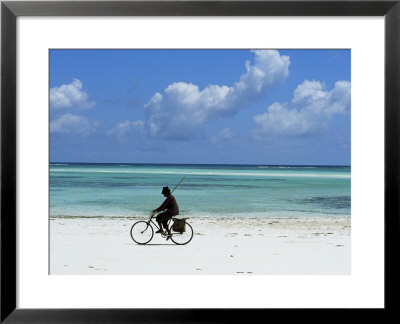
(165, 191)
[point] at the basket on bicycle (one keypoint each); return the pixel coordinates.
(179, 225)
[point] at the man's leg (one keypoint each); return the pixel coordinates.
(160, 230)
(165, 223)
(159, 219)
(165, 218)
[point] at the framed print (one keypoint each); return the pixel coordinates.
(112, 186)
(269, 128)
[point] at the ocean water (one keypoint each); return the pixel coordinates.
(131, 190)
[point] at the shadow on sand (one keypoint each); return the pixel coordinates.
(155, 244)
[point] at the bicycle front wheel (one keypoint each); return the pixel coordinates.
(184, 238)
(142, 232)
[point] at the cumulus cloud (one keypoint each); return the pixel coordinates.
(70, 96)
(126, 128)
(183, 107)
(73, 124)
(309, 112)
(224, 135)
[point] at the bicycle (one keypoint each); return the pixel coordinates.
(142, 232)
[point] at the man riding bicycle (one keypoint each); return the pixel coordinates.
(171, 209)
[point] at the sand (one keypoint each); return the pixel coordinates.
(226, 246)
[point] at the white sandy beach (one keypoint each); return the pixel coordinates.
(219, 246)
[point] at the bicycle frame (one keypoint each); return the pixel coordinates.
(150, 221)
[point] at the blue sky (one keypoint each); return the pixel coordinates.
(200, 106)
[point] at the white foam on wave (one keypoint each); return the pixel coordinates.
(211, 173)
(286, 167)
(200, 215)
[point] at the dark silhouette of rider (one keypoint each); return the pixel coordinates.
(169, 207)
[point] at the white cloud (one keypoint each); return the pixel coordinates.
(73, 124)
(180, 111)
(126, 128)
(224, 135)
(309, 90)
(70, 96)
(309, 112)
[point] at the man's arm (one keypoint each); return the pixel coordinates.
(163, 205)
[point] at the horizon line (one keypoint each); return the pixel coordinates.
(174, 163)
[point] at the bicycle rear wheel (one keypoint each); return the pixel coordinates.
(142, 232)
(184, 238)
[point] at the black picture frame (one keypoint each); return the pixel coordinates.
(10, 10)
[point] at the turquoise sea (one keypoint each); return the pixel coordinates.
(131, 190)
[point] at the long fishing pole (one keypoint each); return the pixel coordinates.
(178, 184)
